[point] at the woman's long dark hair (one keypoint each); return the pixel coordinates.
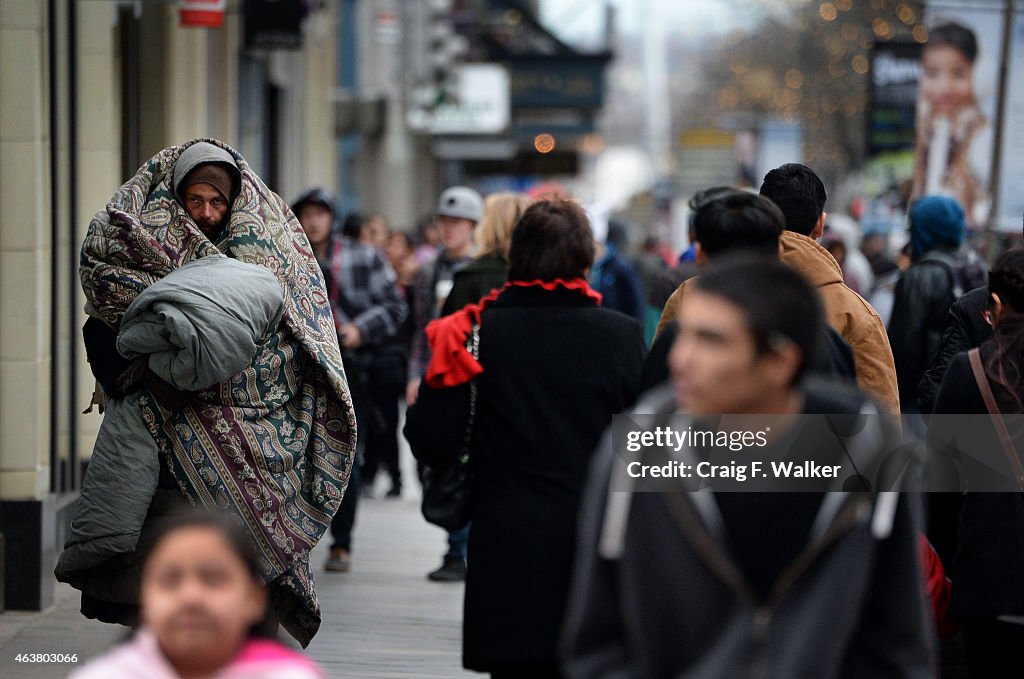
(1006, 279)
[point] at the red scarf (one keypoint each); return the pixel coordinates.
(451, 364)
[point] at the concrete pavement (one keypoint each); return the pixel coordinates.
(383, 619)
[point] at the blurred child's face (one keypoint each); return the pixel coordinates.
(199, 598)
(947, 79)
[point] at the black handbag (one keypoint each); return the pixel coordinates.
(448, 489)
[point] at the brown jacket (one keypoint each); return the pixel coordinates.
(845, 310)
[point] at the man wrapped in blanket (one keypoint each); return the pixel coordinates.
(211, 337)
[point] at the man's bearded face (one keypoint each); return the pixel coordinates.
(207, 207)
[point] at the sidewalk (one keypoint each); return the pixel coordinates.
(383, 619)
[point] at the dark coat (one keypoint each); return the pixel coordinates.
(965, 329)
(619, 285)
(989, 562)
(659, 591)
(474, 281)
(556, 368)
(920, 305)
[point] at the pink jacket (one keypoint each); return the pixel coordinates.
(141, 657)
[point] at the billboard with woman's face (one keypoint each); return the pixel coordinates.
(956, 106)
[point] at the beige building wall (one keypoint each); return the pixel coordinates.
(320, 70)
(185, 82)
(189, 80)
(24, 253)
(222, 81)
(395, 174)
(99, 168)
(306, 78)
(26, 223)
(198, 69)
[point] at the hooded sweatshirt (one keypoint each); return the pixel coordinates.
(205, 152)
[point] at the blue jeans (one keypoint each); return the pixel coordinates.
(457, 544)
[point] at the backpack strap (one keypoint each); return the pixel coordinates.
(974, 356)
(947, 263)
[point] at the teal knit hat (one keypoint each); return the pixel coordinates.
(936, 221)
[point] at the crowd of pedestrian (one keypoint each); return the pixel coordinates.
(514, 328)
(770, 314)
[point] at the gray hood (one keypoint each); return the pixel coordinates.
(205, 152)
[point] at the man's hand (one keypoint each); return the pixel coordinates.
(132, 379)
(412, 390)
(168, 397)
(351, 337)
(138, 376)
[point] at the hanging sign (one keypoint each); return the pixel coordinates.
(202, 13)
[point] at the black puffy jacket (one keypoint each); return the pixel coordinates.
(920, 305)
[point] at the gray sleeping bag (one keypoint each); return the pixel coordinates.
(199, 325)
(202, 323)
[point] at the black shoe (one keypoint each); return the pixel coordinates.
(452, 570)
(339, 561)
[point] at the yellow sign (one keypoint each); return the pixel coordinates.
(706, 137)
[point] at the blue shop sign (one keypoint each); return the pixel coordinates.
(569, 82)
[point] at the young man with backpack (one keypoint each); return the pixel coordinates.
(942, 271)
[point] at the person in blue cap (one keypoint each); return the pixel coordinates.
(942, 270)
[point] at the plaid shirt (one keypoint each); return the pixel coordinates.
(363, 290)
(432, 284)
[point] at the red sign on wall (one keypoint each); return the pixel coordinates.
(202, 13)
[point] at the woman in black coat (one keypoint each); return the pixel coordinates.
(553, 368)
(988, 569)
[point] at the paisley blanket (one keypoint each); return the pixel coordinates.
(273, 445)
